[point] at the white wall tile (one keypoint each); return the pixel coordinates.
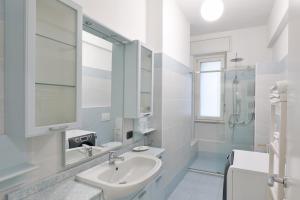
(176, 121)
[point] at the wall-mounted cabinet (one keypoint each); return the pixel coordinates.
(138, 97)
(52, 57)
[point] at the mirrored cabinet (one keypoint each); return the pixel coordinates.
(138, 97)
(52, 64)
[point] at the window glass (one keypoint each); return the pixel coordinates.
(209, 88)
(211, 66)
(210, 94)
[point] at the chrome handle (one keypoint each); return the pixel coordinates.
(59, 128)
(274, 178)
(142, 194)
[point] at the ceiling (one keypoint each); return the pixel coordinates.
(237, 14)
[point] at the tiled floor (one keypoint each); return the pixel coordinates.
(197, 186)
(210, 162)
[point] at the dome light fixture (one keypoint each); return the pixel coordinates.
(212, 10)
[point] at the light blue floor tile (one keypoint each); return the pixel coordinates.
(196, 186)
(210, 162)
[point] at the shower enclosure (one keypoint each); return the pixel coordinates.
(237, 129)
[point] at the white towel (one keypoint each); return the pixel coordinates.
(280, 87)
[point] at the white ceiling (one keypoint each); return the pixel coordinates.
(237, 14)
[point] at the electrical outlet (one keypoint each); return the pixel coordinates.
(129, 135)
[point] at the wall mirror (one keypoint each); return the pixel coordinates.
(102, 95)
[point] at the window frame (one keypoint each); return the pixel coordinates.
(197, 72)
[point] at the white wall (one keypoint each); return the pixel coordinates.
(154, 25)
(176, 33)
(169, 33)
(176, 117)
(268, 73)
(293, 112)
(280, 47)
(176, 91)
(277, 20)
(251, 45)
(266, 76)
(1, 67)
(125, 17)
(278, 30)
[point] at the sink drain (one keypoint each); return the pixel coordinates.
(123, 182)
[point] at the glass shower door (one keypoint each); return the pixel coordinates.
(241, 108)
(237, 129)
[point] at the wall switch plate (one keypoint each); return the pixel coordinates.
(105, 117)
(129, 135)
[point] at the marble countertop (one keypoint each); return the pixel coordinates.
(73, 190)
(68, 190)
(62, 186)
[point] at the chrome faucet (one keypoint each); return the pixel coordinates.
(88, 149)
(112, 158)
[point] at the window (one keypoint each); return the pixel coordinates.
(209, 88)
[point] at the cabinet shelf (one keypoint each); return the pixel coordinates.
(57, 85)
(55, 40)
(145, 92)
(146, 131)
(146, 70)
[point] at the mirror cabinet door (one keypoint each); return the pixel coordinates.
(146, 80)
(56, 63)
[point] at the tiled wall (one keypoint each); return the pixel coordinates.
(1, 66)
(176, 116)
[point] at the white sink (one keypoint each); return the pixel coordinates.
(124, 178)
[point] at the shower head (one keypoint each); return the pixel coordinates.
(236, 59)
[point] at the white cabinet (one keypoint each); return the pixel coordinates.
(138, 97)
(145, 194)
(52, 57)
(157, 191)
(153, 191)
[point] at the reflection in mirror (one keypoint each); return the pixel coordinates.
(102, 98)
(1, 67)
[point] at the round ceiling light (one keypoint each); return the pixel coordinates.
(211, 10)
